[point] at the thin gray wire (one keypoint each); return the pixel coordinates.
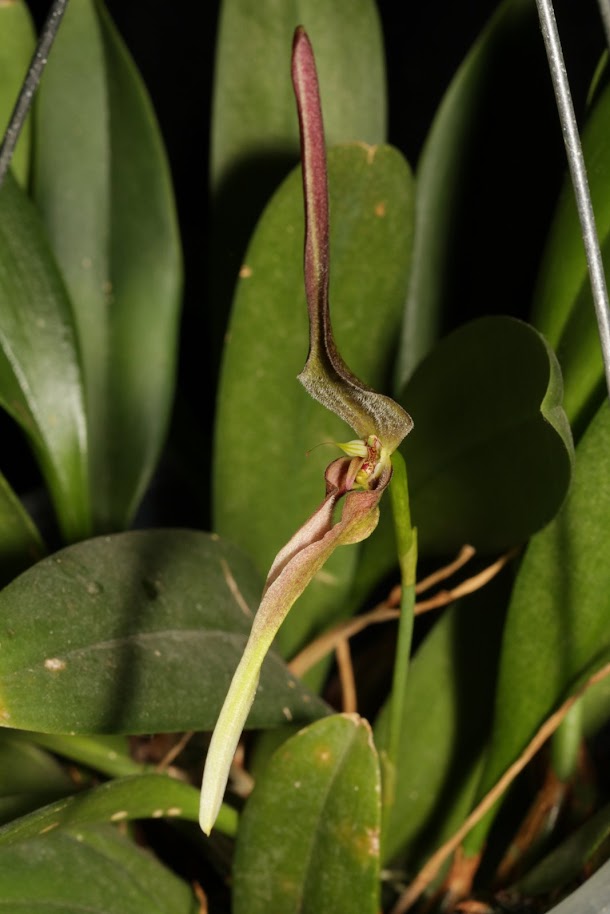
(604, 10)
(30, 84)
(579, 176)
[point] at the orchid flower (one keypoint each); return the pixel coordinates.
(361, 477)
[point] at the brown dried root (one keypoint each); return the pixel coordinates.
(346, 676)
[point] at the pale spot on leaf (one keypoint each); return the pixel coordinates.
(119, 816)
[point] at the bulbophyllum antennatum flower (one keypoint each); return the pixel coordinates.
(360, 478)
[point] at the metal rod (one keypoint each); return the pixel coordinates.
(30, 84)
(579, 176)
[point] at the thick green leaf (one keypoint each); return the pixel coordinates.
(108, 754)
(564, 269)
(309, 835)
(17, 41)
(144, 796)
(138, 792)
(254, 109)
(563, 307)
(255, 139)
(20, 542)
(471, 169)
(596, 707)
(135, 633)
(40, 378)
(29, 777)
(265, 485)
(88, 869)
(580, 356)
(103, 187)
(490, 458)
(448, 709)
(558, 624)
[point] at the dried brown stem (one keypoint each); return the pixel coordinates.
(346, 677)
(172, 754)
(385, 611)
(463, 556)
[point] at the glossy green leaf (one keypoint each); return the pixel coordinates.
(490, 458)
(144, 796)
(108, 754)
(448, 709)
(563, 307)
(135, 633)
(265, 484)
(30, 777)
(41, 384)
(558, 624)
(20, 542)
(103, 188)
(254, 110)
(255, 139)
(309, 835)
(580, 356)
(17, 41)
(470, 170)
(88, 869)
(596, 707)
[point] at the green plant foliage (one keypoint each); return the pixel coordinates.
(563, 307)
(31, 777)
(93, 635)
(89, 869)
(144, 796)
(120, 639)
(442, 737)
(17, 41)
(309, 835)
(20, 542)
(476, 416)
(108, 754)
(254, 136)
(103, 188)
(473, 132)
(254, 112)
(558, 623)
(40, 378)
(596, 707)
(265, 427)
(490, 459)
